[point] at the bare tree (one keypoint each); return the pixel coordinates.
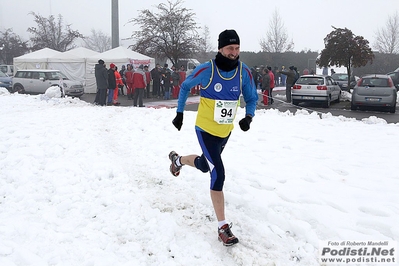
(11, 46)
(98, 41)
(387, 39)
(171, 33)
(52, 34)
(206, 41)
(206, 46)
(276, 37)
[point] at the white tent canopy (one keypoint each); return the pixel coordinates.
(119, 56)
(37, 59)
(78, 64)
(72, 63)
(82, 52)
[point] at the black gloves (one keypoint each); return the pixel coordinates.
(178, 121)
(244, 123)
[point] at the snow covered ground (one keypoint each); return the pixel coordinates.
(89, 185)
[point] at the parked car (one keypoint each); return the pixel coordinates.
(39, 80)
(316, 88)
(374, 90)
(395, 78)
(5, 81)
(342, 80)
(7, 69)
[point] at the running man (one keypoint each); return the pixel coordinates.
(222, 81)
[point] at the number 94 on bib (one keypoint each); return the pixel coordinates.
(225, 111)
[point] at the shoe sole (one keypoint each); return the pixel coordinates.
(229, 244)
(174, 174)
(171, 165)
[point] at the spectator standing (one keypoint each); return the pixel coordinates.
(122, 74)
(139, 85)
(129, 81)
(223, 80)
(283, 77)
(255, 75)
(276, 75)
(265, 85)
(290, 82)
(182, 74)
(271, 85)
(156, 81)
(175, 83)
(119, 84)
(166, 82)
(296, 74)
(101, 74)
(111, 83)
(148, 78)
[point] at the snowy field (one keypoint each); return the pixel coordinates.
(89, 185)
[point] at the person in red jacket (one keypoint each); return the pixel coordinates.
(271, 85)
(148, 77)
(119, 83)
(129, 81)
(139, 85)
(182, 74)
(175, 83)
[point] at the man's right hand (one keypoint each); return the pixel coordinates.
(178, 121)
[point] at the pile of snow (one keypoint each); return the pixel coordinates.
(346, 96)
(90, 185)
(4, 91)
(53, 92)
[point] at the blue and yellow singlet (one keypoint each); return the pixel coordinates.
(220, 94)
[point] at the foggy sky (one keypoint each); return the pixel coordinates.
(307, 22)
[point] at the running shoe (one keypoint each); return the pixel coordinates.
(174, 169)
(226, 236)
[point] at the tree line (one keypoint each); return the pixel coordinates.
(171, 32)
(382, 62)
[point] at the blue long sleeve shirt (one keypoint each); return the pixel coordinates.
(220, 91)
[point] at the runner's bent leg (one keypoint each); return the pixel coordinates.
(212, 148)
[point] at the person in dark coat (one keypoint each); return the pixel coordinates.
(111, 83)
(289, 82)
(122, 73)
(265, 85)
(148, 78)
(156, 81)
(101, 74)
(255, 75)
(166, 81)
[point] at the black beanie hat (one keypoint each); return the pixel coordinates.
(228, 37)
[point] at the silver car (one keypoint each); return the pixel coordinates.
(316, 88)
(5, 81)
(342, 80)
(374, 90)
(39, 80)
(395, 78)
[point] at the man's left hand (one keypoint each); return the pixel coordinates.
(245, 122)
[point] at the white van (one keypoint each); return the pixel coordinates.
(7, 69)
(188, 63)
